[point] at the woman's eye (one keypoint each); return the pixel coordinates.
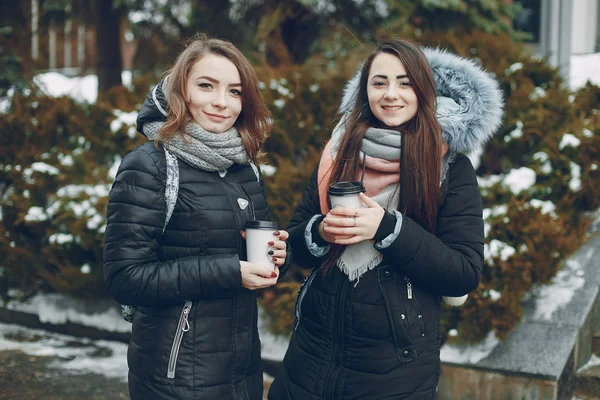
(378, 84)
(406, 83)
(205, 85)
(236, 92)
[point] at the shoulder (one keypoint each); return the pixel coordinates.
(461, 171)
(145, 159)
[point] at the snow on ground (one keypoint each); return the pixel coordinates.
(469, 354)
(58, 309)
(560, 291)
(273, 347)
(594, 361)
(74, 354)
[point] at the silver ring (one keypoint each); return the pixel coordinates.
(354, 219)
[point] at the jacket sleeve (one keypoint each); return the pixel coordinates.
(306, 209)
(133, 272)
(450, 262)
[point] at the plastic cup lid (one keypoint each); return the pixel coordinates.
(346, 188)
(256, 224)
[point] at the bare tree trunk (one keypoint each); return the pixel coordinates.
(108, 45)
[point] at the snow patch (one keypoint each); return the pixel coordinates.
(75, 354)
(520, 179)
(569, 140)
(560, 291)
(469, 354)
(58, 309)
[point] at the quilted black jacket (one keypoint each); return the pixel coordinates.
(194, 335)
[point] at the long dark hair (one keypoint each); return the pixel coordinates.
(422, 143)
(253, 123)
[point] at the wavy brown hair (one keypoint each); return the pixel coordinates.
(421, 154)
(253, 123)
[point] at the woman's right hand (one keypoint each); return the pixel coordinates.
(256, 276)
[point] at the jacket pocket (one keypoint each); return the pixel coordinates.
(300, 296)
(401, 311)
(182, 327)
(414, 317)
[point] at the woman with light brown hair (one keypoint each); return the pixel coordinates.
(175, 249)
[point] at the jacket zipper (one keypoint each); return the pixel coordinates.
(338, 341)
(182, 327)
(301, 293)
(416, 305)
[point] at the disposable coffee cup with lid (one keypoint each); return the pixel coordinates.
(345, 194)
(258, 235)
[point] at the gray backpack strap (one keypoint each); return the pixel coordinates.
(171, 192)
(172, 186)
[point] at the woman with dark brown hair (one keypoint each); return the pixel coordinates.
(390, 222)
(174, 245)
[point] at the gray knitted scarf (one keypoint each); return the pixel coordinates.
(377, 143)
(384, 144)
(205, 150)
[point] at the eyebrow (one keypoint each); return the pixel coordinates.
(213, 80)
(385, 76)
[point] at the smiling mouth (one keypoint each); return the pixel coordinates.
(392, 108)
(215, 116)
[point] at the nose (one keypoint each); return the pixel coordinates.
(391, 93)
(219, 100)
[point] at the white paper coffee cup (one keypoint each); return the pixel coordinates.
(345, 194)
(258, 235)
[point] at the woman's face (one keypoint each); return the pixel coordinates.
(392, 98)
(214, 93)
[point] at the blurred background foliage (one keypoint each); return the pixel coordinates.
(59, 155)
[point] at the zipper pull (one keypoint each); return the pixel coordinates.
(408, 287)
(186, 324)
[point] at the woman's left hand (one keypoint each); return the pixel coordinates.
(358, 223)
(279, 252)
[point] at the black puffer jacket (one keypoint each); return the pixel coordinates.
(191, 271)
(352, 342)
(379, 337)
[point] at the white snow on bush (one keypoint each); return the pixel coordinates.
(60, 238)
(516, 133)
(36, 214)
(73, 191)
(587, 133)
(520, 179)
(40, 167)
(127, 119)
(268, 170)
(575, 182)
(568, 140)
(497, 249)
(547, 207)
(494, 294)
(514, 68)
(537, 93)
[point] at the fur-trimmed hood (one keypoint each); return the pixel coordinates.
(469, 101)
